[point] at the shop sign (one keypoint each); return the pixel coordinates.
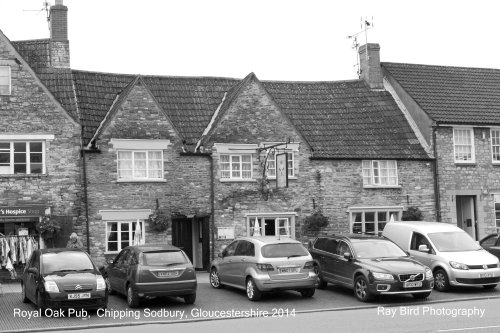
(225, 233)
(13, 211)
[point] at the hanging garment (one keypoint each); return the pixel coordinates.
(13, 249)
(22, 242)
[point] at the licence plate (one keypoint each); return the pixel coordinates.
(168, 274)
(79, 296)
(412, 284)
(486, 275)
(289, 270)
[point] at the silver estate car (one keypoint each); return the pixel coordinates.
(264, 264)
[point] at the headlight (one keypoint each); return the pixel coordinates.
(428, 273)
(51, 287)
(101, 284)
(458, 265)
(382, 276)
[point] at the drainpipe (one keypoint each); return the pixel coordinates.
(85, 194)
(436, 175)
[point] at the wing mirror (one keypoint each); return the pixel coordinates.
(348, 256)
(423, 248)
(33, 270)
(110, 261)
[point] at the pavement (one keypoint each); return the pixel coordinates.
(211, 304)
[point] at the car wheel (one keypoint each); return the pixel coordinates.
(40, 302)
(108, 285)
(421, 295)
(321, 283)
(361, 289)
(23, 294)
(307, 293)
(489, 286)
(441, 281)
(215, 279)
(253, 293)
(132, 298)
(189, 299)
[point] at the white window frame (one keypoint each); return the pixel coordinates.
(119, 233)
(28, 162)
(372, 173)
(495, 145)
(135, 178)
(287, 218)
(496, 212)
(396, 210)
(232, 168)
(9, 79)
(456, 145)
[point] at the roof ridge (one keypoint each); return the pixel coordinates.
(440, 66)
(310, 82)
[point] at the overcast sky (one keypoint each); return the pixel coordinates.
(276, 39)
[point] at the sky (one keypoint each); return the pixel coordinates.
(287, 40)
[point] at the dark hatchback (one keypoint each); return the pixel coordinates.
(491, 243)
(370, 265)
(63, 278)
(147, 271)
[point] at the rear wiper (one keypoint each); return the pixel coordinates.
(295, 255)
(174, 263)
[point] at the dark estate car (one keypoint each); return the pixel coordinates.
(491, 243)
(147, 271)
(62, 279)
(370, 265)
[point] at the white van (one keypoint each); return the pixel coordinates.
(454, 257)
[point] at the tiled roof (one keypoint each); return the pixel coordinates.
(452, 94)
(346, 119)
(35, 52)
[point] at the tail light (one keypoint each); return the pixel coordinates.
(265, 267)
(309, 265)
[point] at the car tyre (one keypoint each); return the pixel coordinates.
(215, 279)
(40, 303)
(421, 295)
(132, 299)
(189, 299)
(321, 283)
(441, 281)
(308, 293)
(23, 294)
(253, 293)
(489, 286)
(361, 289)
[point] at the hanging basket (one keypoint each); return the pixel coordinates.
(48, 227)
(159, 221)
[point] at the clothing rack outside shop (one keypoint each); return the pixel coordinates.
(15, 251)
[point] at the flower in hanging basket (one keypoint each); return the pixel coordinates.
(48, 227)
(314, 223)
(159, 221)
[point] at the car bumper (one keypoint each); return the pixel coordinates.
(264, 283)
(97, 300)
(474, 277)
(174, 288)
(398, 287)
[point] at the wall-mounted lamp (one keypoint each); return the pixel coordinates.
(485, 190)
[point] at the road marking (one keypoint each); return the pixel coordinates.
(468, 328)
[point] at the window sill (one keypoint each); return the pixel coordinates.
(238, 180)
(111, 252)
(381, 186)
(471, 163)
(23, 175)
(141, 181)
(289, 178)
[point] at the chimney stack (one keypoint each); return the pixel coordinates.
(369, 60)
(59, 22)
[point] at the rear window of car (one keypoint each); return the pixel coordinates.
(162, 258)
(66, 262)
(284, 250)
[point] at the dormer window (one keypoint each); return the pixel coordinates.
(5, 85)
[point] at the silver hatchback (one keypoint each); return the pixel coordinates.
(264, 264)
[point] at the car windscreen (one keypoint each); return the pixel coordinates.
(164, 258)
(284, 250)
(377, 249)
(68, 261)
(454, 241)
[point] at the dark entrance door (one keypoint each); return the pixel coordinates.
(182, 235)
(466, 214)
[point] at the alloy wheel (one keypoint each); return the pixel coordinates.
(214, 278)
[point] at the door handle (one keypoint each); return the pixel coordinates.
(243, 259)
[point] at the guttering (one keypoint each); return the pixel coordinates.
(436, 174)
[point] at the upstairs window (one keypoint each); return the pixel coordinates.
(21, 157)
(380, 173)
(5, 85)
(235, 166)
(495, 145)
(463, 144)
(141, 165)
(271, 165)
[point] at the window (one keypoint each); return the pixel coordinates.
(497, 210)
(463, 143)
(19, 157)
(372, 220)
(140, 165)
(271, 165)
(495, 145)
(230, 249)
(5, 80)
(417, 240)
(380, 173)
(236, 166)
(121, 234)
(245, 248)
(271, 225)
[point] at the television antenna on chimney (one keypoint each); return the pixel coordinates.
(366, 25)
(46, 6)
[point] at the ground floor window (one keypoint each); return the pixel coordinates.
(372, 220)
(497, 210)
(271, 225)
(120, 234)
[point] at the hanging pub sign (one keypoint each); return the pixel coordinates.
(21, 211)
(282, 170)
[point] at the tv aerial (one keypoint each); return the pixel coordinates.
(46, 6)
(366, 25)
